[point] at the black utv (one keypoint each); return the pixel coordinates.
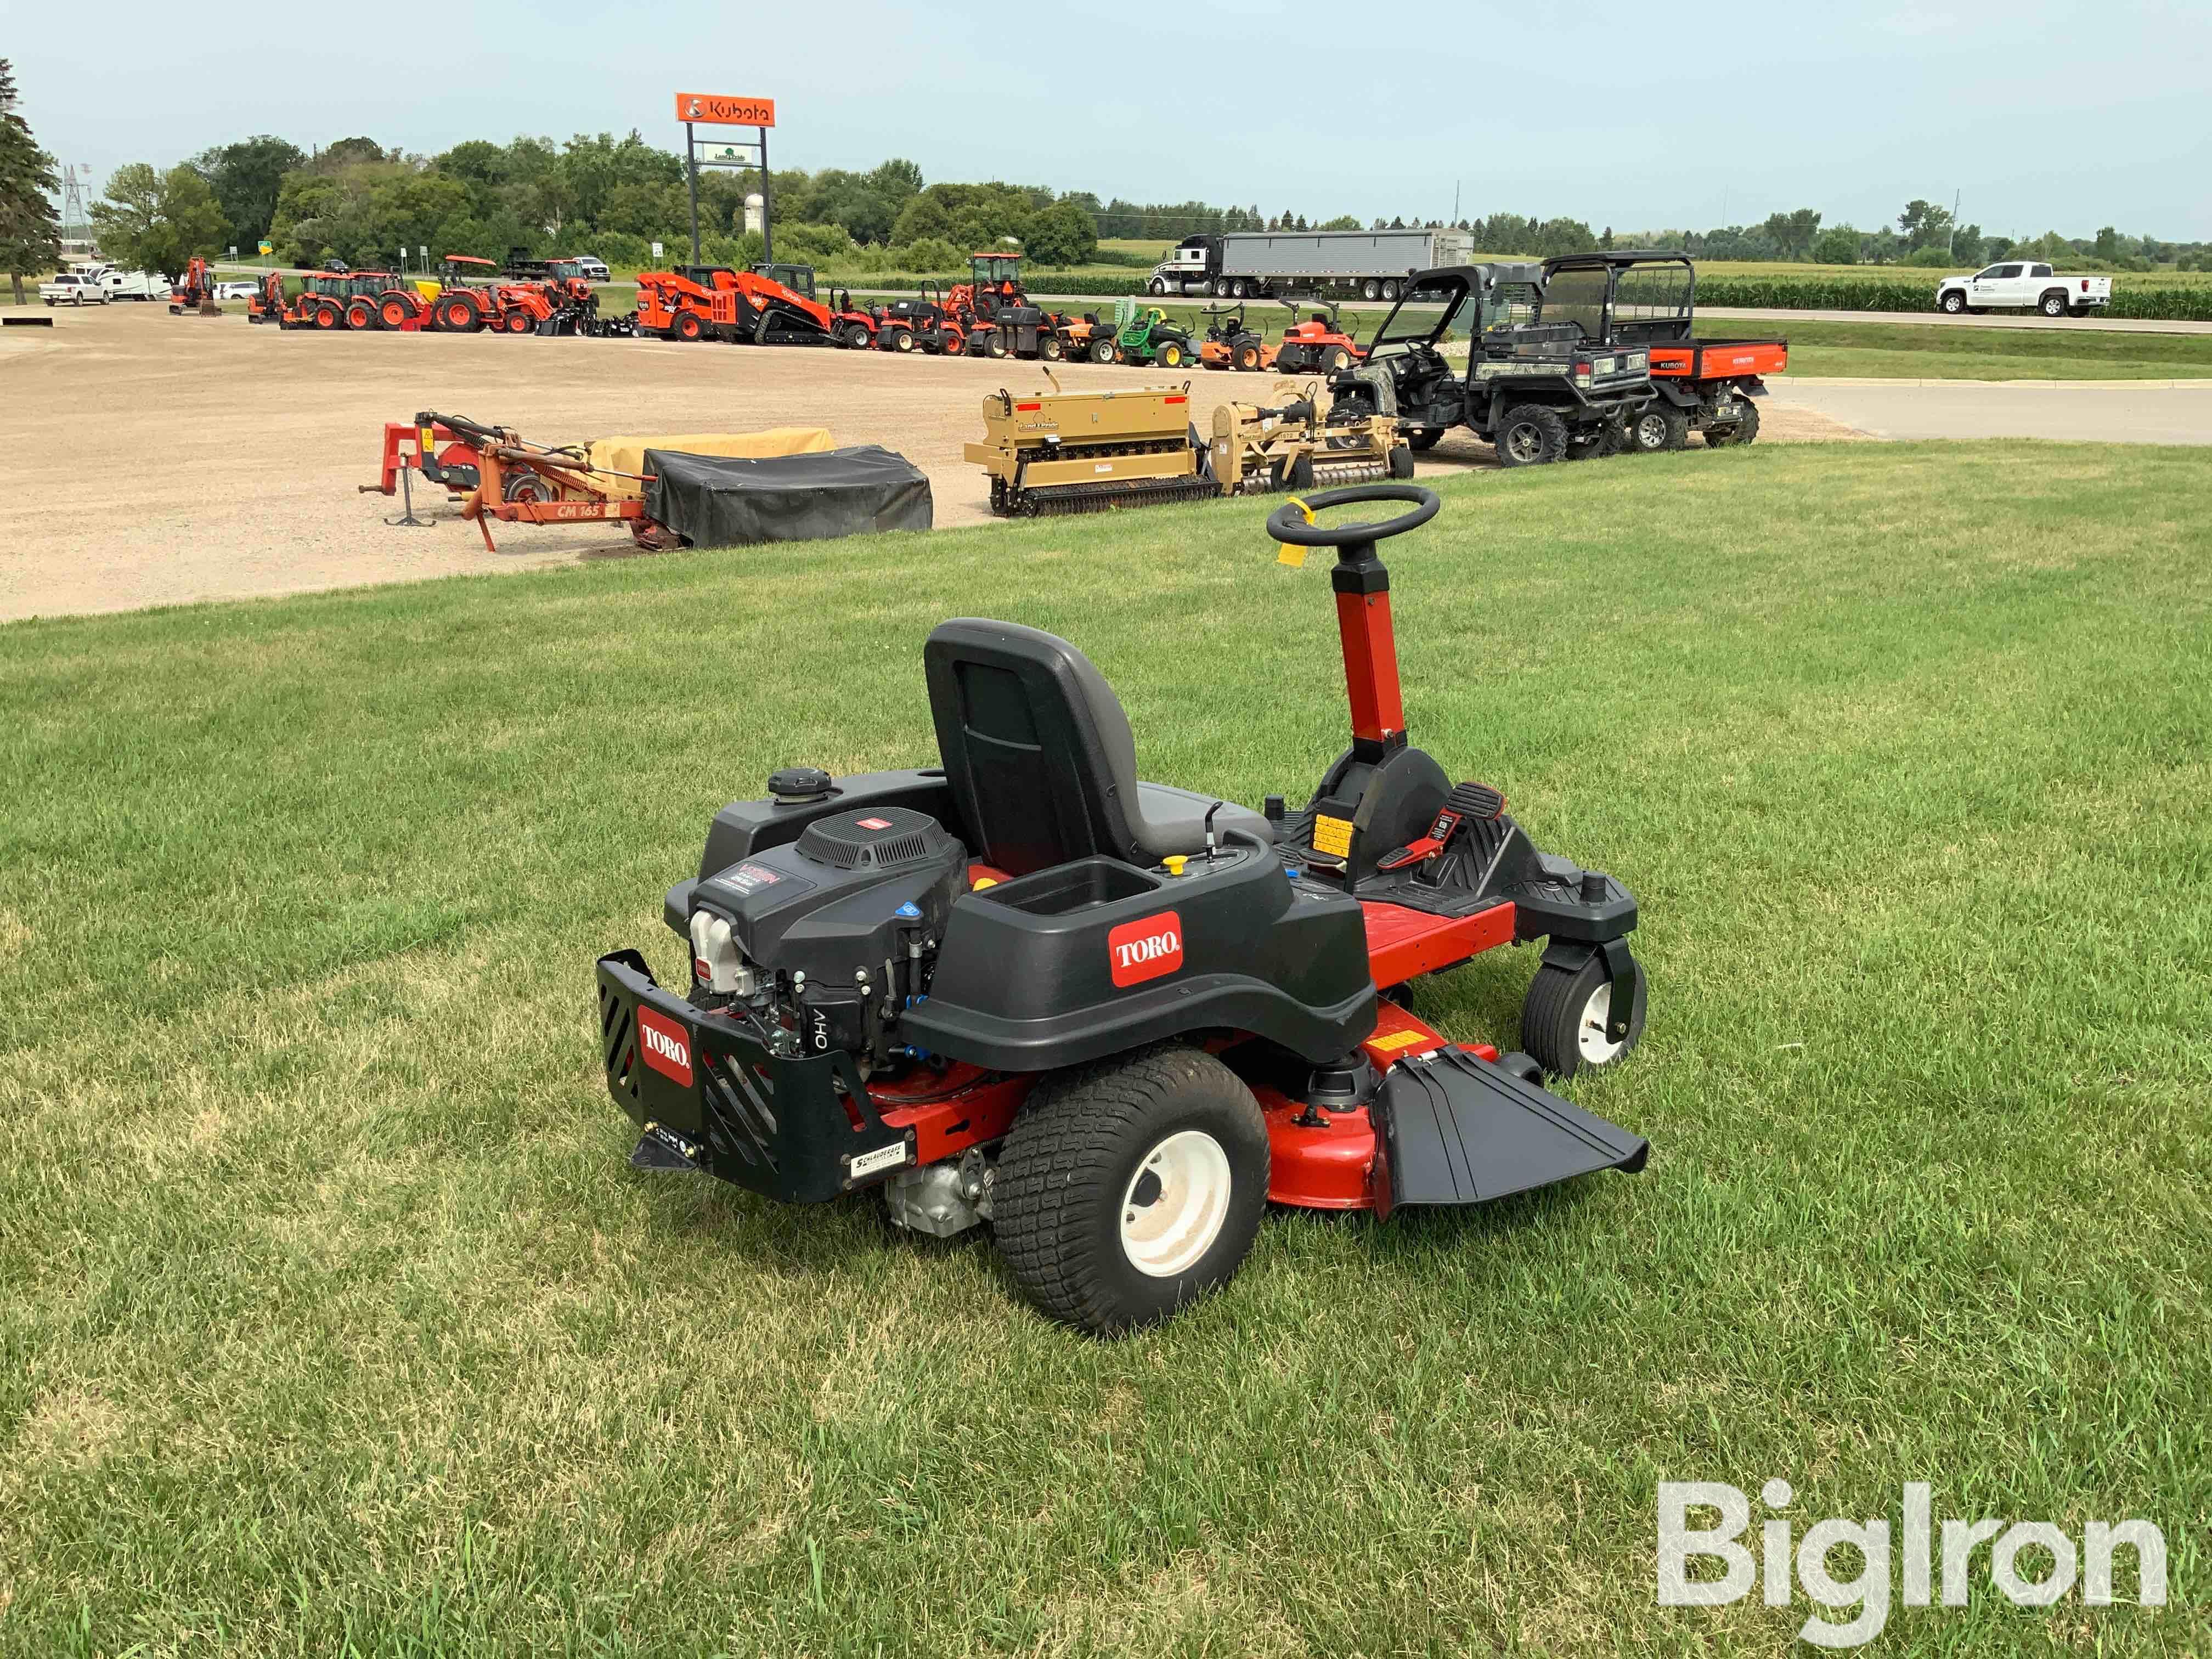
(1532, 385)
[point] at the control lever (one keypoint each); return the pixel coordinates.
(1468, 801)
(1210, 811)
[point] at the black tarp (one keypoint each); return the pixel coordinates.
(727, 500)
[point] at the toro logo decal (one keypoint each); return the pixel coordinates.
(665, 1047)
(1146, 949)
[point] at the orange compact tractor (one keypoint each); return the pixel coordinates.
(993, 312)
(504, 476)
(472, 298)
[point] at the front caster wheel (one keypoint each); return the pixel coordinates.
(1129, 1188)
(1566, 1020)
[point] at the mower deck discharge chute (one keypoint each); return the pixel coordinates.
(1115, 1018)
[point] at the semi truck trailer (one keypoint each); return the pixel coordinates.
(1260, 265)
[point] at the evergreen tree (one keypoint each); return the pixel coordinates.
(30, 230)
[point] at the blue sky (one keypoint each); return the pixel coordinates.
(2041, 116)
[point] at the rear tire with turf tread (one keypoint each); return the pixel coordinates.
(1553, 1015)
(1743, 431)
(1077, 1153)
(1530, 435)
(1656, 429)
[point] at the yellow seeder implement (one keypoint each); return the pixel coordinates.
(1090, 452)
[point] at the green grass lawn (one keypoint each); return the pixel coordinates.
(334, 1320)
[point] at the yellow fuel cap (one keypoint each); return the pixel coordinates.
(1175, 861)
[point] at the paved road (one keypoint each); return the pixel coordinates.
(2029, 319)
(2101, 413)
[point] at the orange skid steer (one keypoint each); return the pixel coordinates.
(502, 475)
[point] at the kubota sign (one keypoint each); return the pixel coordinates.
(714, 109)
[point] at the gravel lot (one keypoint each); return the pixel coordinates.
(161, 459)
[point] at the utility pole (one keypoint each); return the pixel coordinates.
(691, 185)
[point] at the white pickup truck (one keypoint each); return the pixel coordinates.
(73, 288)
(2024, 285)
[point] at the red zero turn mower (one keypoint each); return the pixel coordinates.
(1115, 1019)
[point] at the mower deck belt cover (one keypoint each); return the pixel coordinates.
(626, 454)
(714, 501)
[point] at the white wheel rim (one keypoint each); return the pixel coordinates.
(1591, 1030)
(1176, 1204)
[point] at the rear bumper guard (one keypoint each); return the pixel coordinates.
(708, 1088)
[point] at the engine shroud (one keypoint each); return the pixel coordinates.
(848, 897)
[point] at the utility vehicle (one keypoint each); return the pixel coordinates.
(1534, 386)
(1645, 299)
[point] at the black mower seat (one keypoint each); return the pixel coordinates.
(1041, 759)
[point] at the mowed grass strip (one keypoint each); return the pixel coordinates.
(335, 1323)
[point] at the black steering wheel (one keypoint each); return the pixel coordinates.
(1293, 522)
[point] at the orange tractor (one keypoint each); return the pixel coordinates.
(473, 297)
(993, 312)
(322, 303)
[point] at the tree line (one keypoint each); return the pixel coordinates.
(1925, 235)
(368, 205)
(372, 205)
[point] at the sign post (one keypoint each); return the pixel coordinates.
(695, 109)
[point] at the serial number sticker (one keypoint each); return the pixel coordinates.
(884, 1157)
(1398, 1039)
(1333, 836)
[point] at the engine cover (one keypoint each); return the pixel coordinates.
(854, 906)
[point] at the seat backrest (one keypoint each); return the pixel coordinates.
(1039, 753)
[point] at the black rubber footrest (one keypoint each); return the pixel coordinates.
(1475, 800)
